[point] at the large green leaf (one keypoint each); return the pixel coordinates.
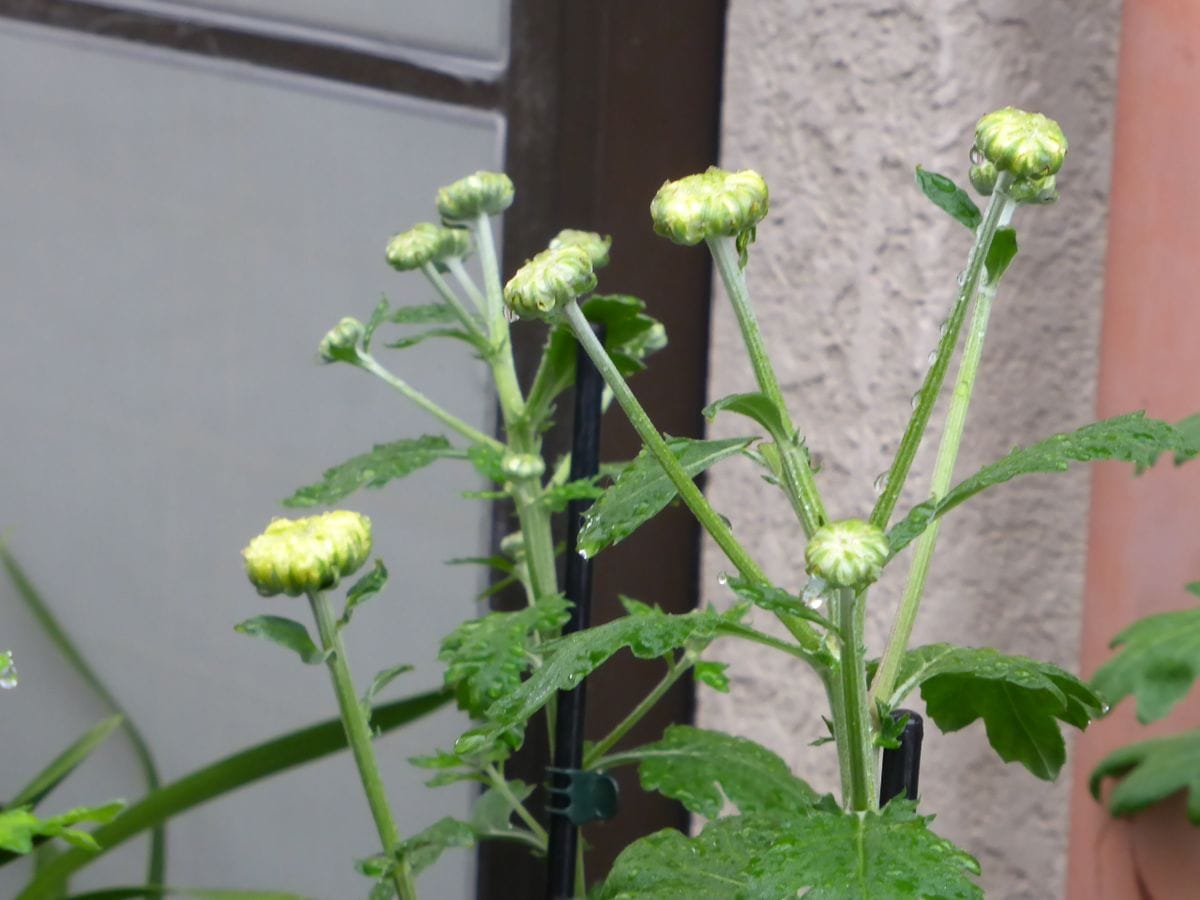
(1151, 771)
(821, 854)
(702, 769)
(643, 488)
(1020, 700)
(64, 764)
(1158, 662)
(949, 197)
(222, 777)
(1129, 438)
(384, 463)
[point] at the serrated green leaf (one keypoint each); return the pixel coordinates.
(643, 488)
(411, 340)
(754, 406)
(285, 632)
(363, 590)
(381, 680)
(488, 461)
(425, 847)
(423, 314)
(1020, 700)
(19, 826)
(1151, 771)
(1001, 253)
(486, 657)
(702, 769)
(820, 854)
(1158, 662)
(949, 197)
(1129, 438)
(712, 674)
(64, 764)
(384, 463)
(372, 324)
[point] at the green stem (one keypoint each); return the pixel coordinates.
(503, 368)
(943, 471)
(754, 636)
(446, 292)
(369, 364)
(798, 480)
(463, 277)
(854, 714)
(502, 788)
(358, 736)
(675, 671)
(534, 519)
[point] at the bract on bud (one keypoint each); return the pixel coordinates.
(426, 243)
(522, 466)
(1022, 190)
(484, 193)
(713, 204)
(550, 280)
(295, 556)
(343, 342)
(983, 177)
(847, 554)
(596, 246)
(1027, 144)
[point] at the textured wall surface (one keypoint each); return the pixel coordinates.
(853, 272)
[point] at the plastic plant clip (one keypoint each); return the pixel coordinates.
(901, 768)
(589, 796)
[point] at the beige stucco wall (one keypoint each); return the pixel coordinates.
(835, 102)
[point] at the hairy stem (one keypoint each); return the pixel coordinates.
(503, 368)
(856, 744)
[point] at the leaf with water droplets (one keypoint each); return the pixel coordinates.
(949, 197)
(384, 463)
(643, 488)
(1151, 771)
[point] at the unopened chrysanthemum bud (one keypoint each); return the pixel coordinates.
(484, 193)
(550, 280)
(713, 204)
(596, 246)
(295, 556)
(1027, 144)
(847, 554)
(522, 466)
(343, 342)
(426, 243)
(1023, 190)
(513, 546)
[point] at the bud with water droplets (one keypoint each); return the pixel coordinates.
(295, 556)
(343, 343)
(549, 281)
(484, 193)
(1027, 144)
(427, 243)
(712, 204)
(594, 245)
(847, 554)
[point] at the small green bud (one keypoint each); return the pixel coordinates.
(596, 246)
(426, 243)
(550, 280)
(1022, 190)
(295, 556)
(513, 546)
(522, 466)
(713, 204)
(344, 341)
(1027, 144)
(847, 554)
(484, 193)
(983, 176)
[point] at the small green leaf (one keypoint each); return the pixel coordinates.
(754, 406)
(1151, 771)
(949, 197)
(1189, 433)
(1129, 438)
(1158, 662)
(64, 764)
(423, 314)
(1020, 700)
(1000, 253)
(702, 769)
(488, 461)
(643, 488)
(458, 334)
(364, 589)
(712, 674)
(425, 847)
(381, 680)
(384, 463)
(776, 600)
(19, 827)
(499, 562)
(822, 853)
(377, 318)
(286, 633)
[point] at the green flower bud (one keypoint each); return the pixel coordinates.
(484, 193)
(714, 204)
(1022, 190)
(593, 244)
(513, 546)
(551, 279)
(983, 176)
(295, 556)
(426, 243)
(1027, 144)
(847, 554)
(522, 466)
(343, 342)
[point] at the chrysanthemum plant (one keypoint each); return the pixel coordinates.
(769, 833)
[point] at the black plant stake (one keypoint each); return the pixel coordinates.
(902, 766)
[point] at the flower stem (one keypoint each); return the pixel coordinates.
(855, 742)
(463, 277)
(503, 368)
(676, 668)
(798, 480)
(358, 736)
(446, 292)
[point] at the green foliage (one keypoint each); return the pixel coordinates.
(777, 600)
(754, 406)
(1129, 438)
(712, 674)
(557, 496)
(362, 590)
(1151, 771)
(287, 633)
(64, 764)
(643, 488)
(821, 853)
(422, 314)
(949, 197)
(456, 333)
(702, 769)
(19, 827)
(1020, 700)
(381, 680)
(1001, 253)
(384, 463)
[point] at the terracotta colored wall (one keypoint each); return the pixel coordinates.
(1144, 542)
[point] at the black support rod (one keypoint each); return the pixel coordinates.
(901, 767)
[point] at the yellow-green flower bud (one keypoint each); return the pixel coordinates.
(550, 280)
(595, 245)
(1027, 144)
(713, 204)
(295, 556)
(847, 554)
(344, 341)
(426, 243)
(484, 193)
(522, 466)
